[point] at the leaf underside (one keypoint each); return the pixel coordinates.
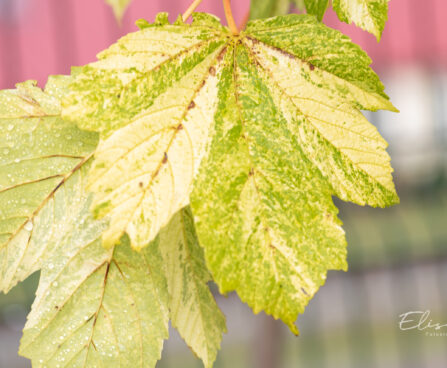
(256, 131)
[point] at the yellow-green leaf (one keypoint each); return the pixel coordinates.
(39, 152)
(258, 130)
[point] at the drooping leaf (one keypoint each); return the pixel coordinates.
(119, 7)
(274, 113)
(96, 307)
(316, 7)
(268, 8)
(370, 15)
(39, 153)
(193, 311)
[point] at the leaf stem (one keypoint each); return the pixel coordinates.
(190, 9)
(229, 16)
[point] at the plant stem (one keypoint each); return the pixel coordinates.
(191, 9)
(229, 16)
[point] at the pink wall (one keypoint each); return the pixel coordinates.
(41, 37)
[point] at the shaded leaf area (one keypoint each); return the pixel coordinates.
(370, 15)
(260, 129)
(194, 313)
(39, 153)
(97, 307)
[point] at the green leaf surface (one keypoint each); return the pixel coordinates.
(194, 313)
(97, 307)
(370, 15)
(268, 8)
(268, 224)
(263, 128)
(316, 7)
(119, 7)
(39, 152)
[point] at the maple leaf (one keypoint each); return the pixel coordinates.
(281, 103)
(40, 153)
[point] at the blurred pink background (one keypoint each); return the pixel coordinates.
(42, 37)
(397, 256)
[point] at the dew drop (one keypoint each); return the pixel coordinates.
(28, 226)
(51, 266)
(10, 127)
